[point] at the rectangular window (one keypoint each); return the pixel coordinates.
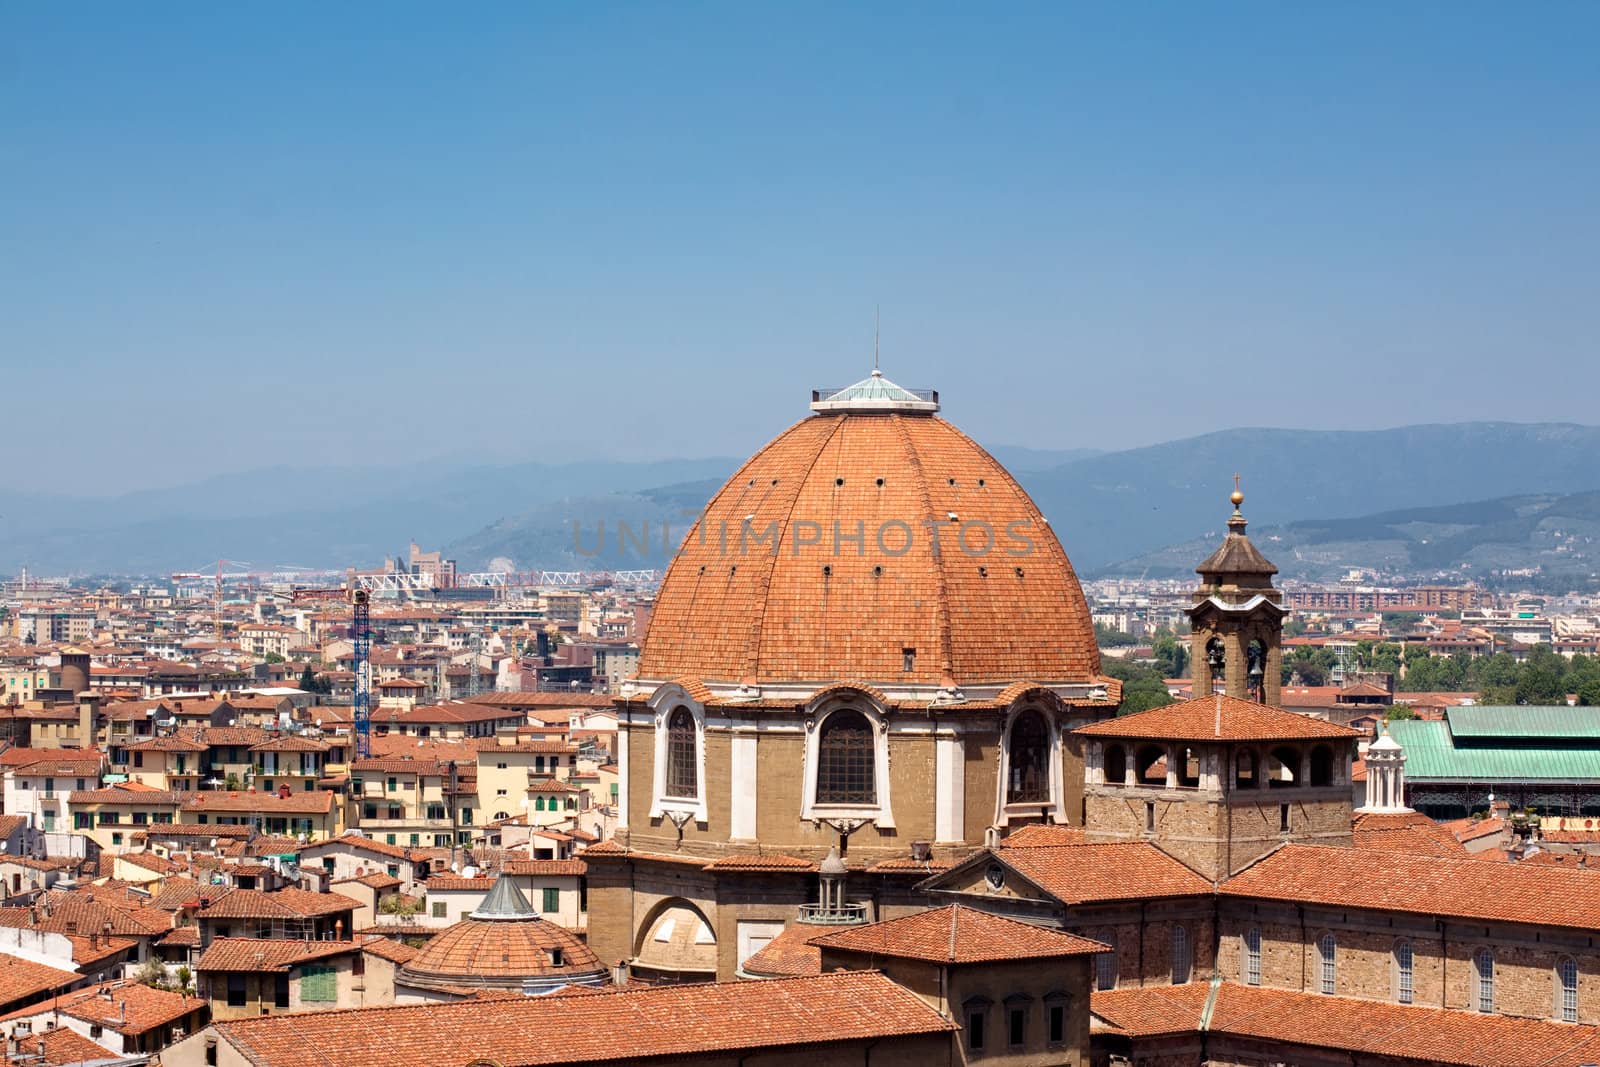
(1252, 957)
(1058, 1023)
(438, 909)
(1283, 818)
(552, 900)
(1018, 1021)
(1567, 969)
(975, 1030)
(1402, 965)
(280, 991)
(1149, 816)
(235, 990)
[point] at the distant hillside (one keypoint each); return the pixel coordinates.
(1125, 504)
(630, 531)
(328, 517)
(1105, 507)
(1558, 534)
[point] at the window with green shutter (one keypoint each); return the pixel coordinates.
(552, 900)
(319, 984)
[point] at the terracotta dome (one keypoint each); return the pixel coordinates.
(995, 603)
(504, 945)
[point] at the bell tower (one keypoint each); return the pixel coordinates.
(1236, 620)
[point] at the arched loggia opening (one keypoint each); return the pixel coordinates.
(1116, 765)
(1322, 765)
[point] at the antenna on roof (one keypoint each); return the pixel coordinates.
(877, 319)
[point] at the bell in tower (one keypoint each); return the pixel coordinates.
(1236, 620)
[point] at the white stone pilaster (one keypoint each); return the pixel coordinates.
(742, 785)
(949, 789)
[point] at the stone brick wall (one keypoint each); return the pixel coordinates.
(1217, 836)
(1443, 974)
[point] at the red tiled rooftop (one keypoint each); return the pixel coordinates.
(1079, 874)
(959, 935)
(1407, 1033)
(1463, 887)
(766, 616)
(266, 954)
(789, 955)
(1218, 718)
(598, 1027)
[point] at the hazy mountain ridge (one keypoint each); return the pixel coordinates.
(1105, 507)
(1560, 534)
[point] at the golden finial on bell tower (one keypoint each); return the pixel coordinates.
(1237, 497)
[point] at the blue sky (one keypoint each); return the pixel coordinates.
(317, 234)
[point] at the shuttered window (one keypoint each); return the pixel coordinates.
(319, 984)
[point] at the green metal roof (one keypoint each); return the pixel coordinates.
(874, 393)
(1523, 721)
(1432, 756)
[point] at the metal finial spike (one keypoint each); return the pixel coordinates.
(876, 322)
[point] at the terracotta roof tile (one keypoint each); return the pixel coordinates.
(61, 1047)
(266, 954)
(599, 1027)
(125, 1007)
(1218, 718)
(1079, 874)
(960, 935)
(1404, 832)
(288, 903)
(545, 867)
(498, 948)
(393, 951)
(778, 616)
(24, 980)
(789, 955)
(1040, 836)
(768, 861)
(1405, 1032)
(1461, 887)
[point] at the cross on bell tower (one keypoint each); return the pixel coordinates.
(1236, 620)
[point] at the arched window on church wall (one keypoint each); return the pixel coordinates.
(683, 775)
(1029, 759)
(846, 762)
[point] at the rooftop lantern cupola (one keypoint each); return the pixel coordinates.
(1386, 776)
(1236, 620)
(831, 908)
(875, 394)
